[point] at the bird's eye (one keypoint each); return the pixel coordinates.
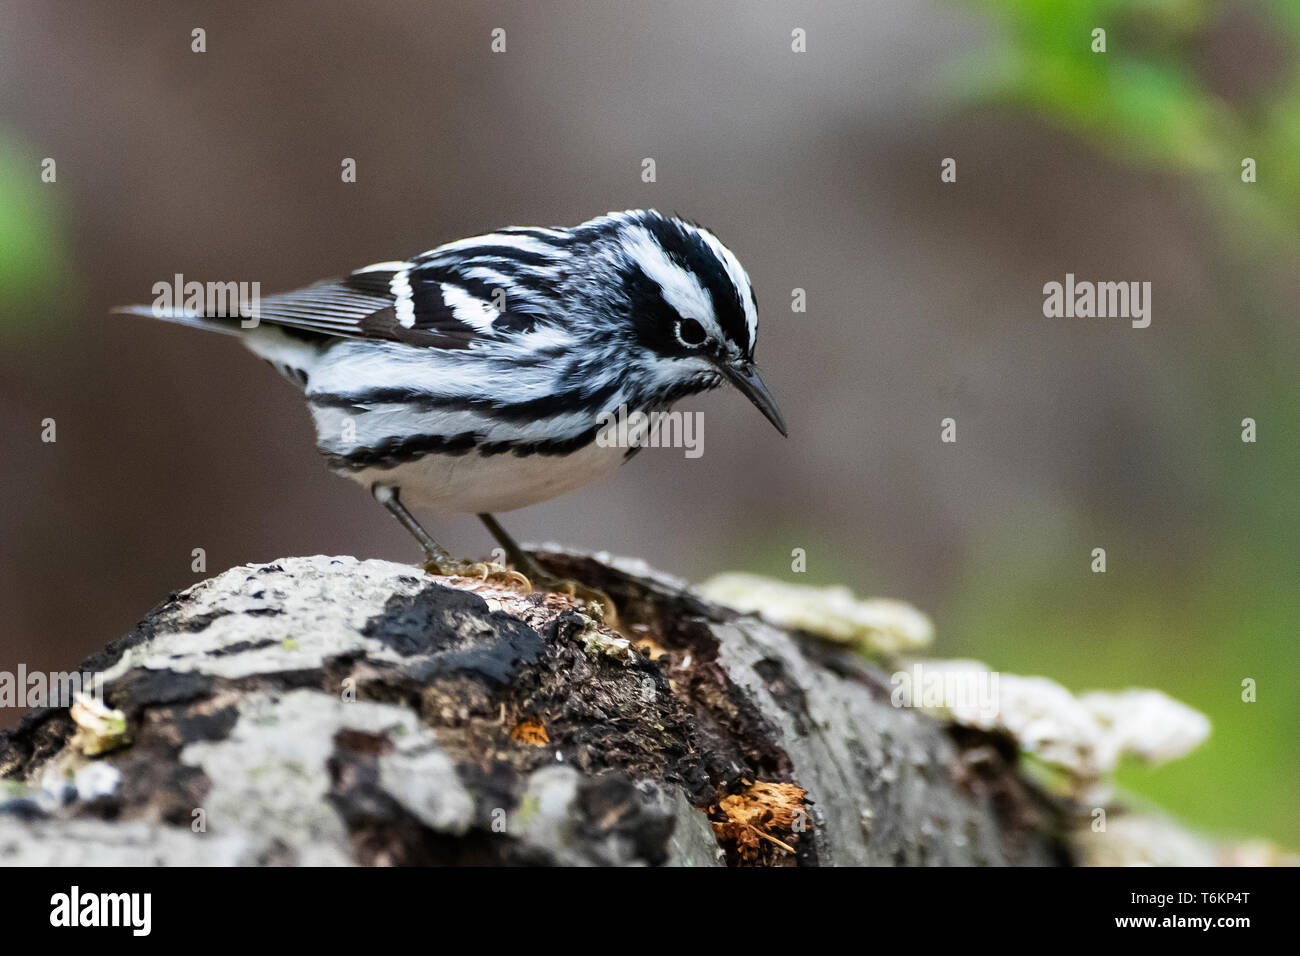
(690, 333)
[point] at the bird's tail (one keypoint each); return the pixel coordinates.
(229, 325)
(292, 354)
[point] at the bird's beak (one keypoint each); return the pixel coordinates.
(745, 377)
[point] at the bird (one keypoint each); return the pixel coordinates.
(474, 377)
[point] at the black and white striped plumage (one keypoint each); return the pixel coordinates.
(418, 382)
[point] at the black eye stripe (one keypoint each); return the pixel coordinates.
(654, 319)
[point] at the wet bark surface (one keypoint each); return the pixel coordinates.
(334, 711)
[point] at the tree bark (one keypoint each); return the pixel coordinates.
(334, 711)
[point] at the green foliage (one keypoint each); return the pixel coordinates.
(1160, 96)
(36, 280)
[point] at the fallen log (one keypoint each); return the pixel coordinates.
(326, 710)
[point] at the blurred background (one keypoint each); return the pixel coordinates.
(821, 170)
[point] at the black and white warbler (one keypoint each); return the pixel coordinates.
(472, 378)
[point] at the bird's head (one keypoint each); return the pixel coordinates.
(687, 312)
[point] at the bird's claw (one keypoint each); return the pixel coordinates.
(487, 571)
(597, 601)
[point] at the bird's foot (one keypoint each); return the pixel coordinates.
(488, 571)
(597, 601)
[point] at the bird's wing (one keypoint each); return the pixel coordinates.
(486, 287)
(416, 303)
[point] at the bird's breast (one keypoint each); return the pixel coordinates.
(472, 482)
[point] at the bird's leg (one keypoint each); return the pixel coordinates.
(390, 499)
(540, 578)
(438, 560)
